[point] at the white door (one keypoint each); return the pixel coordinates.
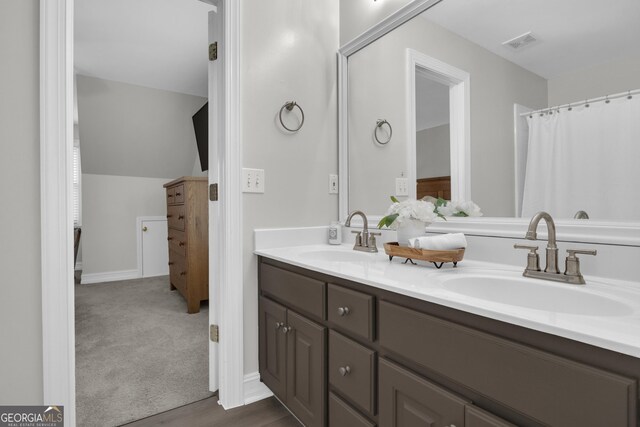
(154, 251)
(216, 93)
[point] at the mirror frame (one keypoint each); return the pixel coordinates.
(582, 231)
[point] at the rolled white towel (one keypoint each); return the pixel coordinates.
(443, 242)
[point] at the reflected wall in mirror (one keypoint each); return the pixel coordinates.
(582, 158)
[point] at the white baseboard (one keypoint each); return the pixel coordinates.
(109, 276)
(78, 266)
(254, 389)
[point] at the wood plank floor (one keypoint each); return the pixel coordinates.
(207, 413)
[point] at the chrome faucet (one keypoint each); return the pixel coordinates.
(551, 272)
(365, 240)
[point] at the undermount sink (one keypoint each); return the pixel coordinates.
(537, 295)
(338, 256)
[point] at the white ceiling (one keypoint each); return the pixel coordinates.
(572, 34)
(432, 103)
(160, 44)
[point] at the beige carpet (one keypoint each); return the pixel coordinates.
(138, 352)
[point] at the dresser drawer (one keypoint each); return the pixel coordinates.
(295, 290)
(352, 371)
(177, 241)
(176, 217)
(550, 389)
(178, 271)
(171, 195)
(178, 191)
(351, 310)
(342, 415)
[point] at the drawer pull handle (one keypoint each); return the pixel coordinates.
(279, 325)
(344, 370)
(178, 194)
(181, 244)
(183, 273)
(287, 329)
(169, 216)
(171, 263)
(180, 216)
(343, 311)
(169, 238)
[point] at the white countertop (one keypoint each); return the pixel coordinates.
(616, 328)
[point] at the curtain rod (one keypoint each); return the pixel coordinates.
(606, 98)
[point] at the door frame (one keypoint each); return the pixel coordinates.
(56, 148)
(459, 119)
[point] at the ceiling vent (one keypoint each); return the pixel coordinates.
(517, 43)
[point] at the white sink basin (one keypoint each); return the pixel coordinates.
(338, 256)
(537, 295)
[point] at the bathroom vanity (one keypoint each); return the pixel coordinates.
(347, 340)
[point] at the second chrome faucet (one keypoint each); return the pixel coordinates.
(551, 271)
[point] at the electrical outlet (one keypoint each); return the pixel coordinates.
(402, 187)
(253, 180)
(333, 184)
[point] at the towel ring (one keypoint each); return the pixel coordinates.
(379, 124)
(289, 106)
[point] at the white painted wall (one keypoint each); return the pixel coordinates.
(131, 130)
(110, 206)
(605, 79)
(433, 152)
(377, 89)
(356, 16)
(20, 293)
(289, 53)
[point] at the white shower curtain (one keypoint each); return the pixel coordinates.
(585, 159)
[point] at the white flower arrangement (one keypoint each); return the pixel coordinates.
(426, 210)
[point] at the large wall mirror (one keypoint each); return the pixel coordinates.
(518, 106)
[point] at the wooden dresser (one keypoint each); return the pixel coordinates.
(188, 223)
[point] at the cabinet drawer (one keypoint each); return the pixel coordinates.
(178, 271)
(409, 400)
(342, 415)
(294, 289)
(351, 310)
(550, 389)
(171, 195)
(177, 241)
(178, 192)
(352, 371)
(176, 217)
(476, 417)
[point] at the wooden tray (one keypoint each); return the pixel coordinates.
(393, 249)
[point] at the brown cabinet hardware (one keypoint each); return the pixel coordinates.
(181, 244)
(183, 273)
(344, 370)
(343, 311)
(169, 238)
(170, 263)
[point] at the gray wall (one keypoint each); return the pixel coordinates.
(289, 52)
(433, 152)
(356, 16)
(20, 290)
(605, 79)
(496, 84)
(130, 130)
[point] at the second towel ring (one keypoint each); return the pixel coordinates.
(289, 107)
(379, 124)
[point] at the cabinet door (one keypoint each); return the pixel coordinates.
(407, 400)
(476, 417)
(306, 370)
(273, 347)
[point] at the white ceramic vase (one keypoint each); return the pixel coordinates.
(410, 228)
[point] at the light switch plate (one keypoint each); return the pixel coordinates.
(402, 187)
(253, 180)
(333, 184)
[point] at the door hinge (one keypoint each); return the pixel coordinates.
(213, 51)
(214, 333)
(213, 192)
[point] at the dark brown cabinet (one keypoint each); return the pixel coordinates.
(407, 400)
(292, 361)
(394, 361)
